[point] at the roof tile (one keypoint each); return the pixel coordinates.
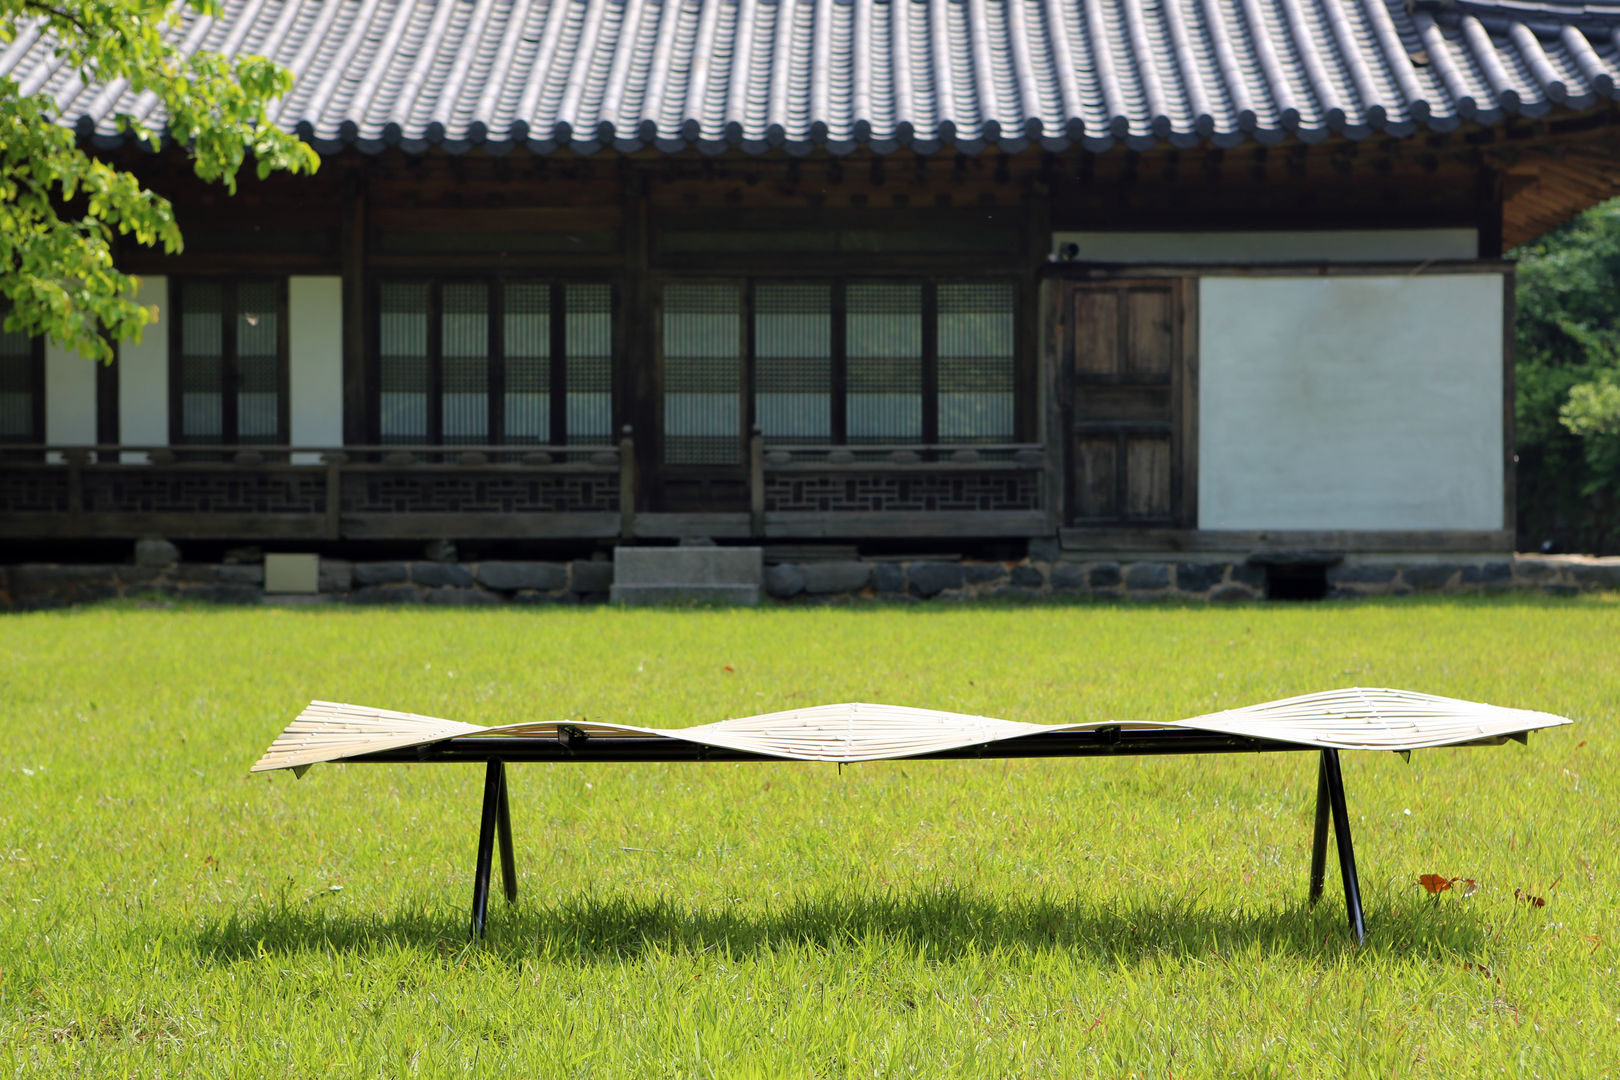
(885, 74)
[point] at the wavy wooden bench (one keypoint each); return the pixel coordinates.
(1351, 719)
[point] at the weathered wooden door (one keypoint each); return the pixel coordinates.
(1123, 383)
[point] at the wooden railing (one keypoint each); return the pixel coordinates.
(899, 490)
(397, 492)
(319, 493)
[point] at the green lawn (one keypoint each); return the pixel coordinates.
(162, 913)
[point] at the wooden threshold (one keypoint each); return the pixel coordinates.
(1349, 541)
(898, 524)
(51, 526)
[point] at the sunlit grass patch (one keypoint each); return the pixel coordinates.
(163, 913)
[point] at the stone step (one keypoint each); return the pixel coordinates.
(687, 575)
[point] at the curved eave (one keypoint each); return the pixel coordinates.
(805, 77)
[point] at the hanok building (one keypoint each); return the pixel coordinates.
(956, 276)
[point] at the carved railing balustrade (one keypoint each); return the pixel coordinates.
(900, 490)
(400, 492)
(315, 493)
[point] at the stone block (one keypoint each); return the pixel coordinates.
(336, 575)
(1068, 575)
(1045, 549)
(1232, 593)
(784, 581)
(455, 596)
(696, 565)
(229, 574)
(590, 575)
(1252, 576)
(155, 551)
(292, 573)
(1597, 574)
(687, 575)
(1361, 574)
(221, 594)
(1027, 577)
(511, 576)
(889, 578)
(92, 592)
(441, 575)
(1536, 569)
(1560, 590)
(1144, 576)
(983, 573)
(40, 602)
(385, 594)
(1429, 576)
(844, 576)
(535, 598)
(39, 581)
(1488, 574)
(1014, 592)
(1104, 576)
(1199, 577)
(137, 575)
(379, 573)
(930, 579)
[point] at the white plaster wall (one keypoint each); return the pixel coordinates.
(1217, 248)
(1350, 402)
(315, 363)
(143, 375)
(70, 397)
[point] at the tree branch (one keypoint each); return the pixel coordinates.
(50, 12)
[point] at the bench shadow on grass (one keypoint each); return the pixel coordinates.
(941, 923)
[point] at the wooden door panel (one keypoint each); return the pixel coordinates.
(1096, 478)
(1147, 477)
(1104, 404)
(1095, 343)
(1151, 336)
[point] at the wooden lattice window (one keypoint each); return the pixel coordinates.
(836, 362)
(228, 361)
(22, 385)
(497, 361)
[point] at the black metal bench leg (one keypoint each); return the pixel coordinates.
(503, 827)
(494, 783)
(1347, 856)
(1319, 835)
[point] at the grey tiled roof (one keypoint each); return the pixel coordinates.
(886, 74)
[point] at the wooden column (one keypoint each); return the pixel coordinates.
(357, 422)
(638, 382)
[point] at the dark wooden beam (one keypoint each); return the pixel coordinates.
(356, 406)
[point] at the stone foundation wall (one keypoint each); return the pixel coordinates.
(157, 574)
(35, 586)
(1218, 581)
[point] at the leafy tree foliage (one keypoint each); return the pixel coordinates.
(60, 207)
(1567, 412)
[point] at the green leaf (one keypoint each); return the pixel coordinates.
(60, 205)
